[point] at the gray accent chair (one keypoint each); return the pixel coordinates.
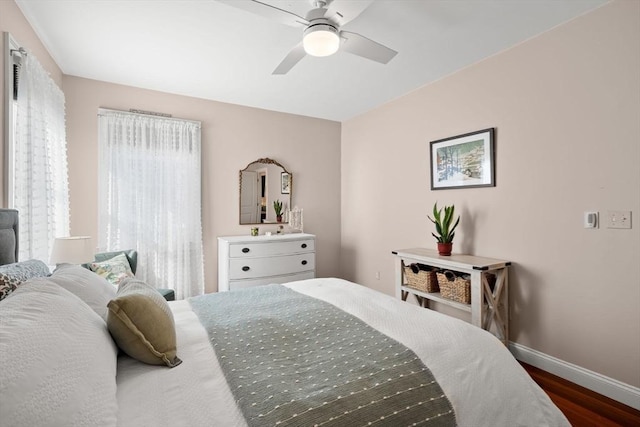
(132, 257)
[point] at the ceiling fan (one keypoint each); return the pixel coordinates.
(322, 35)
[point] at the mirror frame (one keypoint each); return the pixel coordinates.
(267, 161)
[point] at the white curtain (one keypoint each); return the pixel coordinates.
(40, 182)
(149, 197)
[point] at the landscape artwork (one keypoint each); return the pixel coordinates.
(463, 161)
(285, 183)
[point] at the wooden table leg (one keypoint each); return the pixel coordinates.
(420, 300)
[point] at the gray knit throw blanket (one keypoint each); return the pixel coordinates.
(293, 360)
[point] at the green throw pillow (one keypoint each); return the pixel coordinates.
(115, 269)
(142, 324)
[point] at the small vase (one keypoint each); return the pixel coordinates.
(444, 249)
(279, 218)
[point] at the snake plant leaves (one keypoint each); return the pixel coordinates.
(445, 232)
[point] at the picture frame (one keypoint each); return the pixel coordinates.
(463, 161)
(285, 183)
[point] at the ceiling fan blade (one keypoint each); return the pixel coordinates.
(268, 11)
(345, 11)
(289, 61)
(367, 48)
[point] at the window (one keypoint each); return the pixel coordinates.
(37, 183)
(149, 197)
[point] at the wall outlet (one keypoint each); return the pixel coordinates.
(618, 219)
(377, 275)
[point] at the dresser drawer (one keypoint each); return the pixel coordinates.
(264, 267)
(248, 283)
(259, 249)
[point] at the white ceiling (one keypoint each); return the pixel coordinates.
(210, 50)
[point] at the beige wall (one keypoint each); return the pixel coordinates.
(566, 107)
(232, 137)
(13, 21)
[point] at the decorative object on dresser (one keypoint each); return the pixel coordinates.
(246, 261)
(463, 161)
(488, 281)
(261, 183)
(296, 221)
(277, 207)
(445, 231)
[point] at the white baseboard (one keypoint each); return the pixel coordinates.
(614, 389)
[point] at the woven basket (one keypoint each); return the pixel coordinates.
(425, 281)
(454, 287)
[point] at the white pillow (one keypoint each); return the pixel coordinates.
(86, 285)
(59, 361)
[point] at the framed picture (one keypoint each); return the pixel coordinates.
(285, 183)
(463, 161)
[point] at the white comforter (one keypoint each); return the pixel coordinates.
(484, 383)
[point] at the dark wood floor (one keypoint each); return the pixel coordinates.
(583, 407)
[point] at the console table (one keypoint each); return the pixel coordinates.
(487, 306)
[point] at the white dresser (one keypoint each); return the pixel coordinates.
(245, 261)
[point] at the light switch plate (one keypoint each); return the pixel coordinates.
(618, 219)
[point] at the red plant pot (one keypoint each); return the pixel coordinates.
(444, 249)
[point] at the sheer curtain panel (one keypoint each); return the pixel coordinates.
(149, 197)
(40, 183)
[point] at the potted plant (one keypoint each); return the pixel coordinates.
(277, 206)
(443, 227)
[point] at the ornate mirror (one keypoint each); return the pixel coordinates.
(262, 183)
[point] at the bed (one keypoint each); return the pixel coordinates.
(62, 366)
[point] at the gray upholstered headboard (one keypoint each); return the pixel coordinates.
(8, 236)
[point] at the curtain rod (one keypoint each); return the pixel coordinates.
(147, 114)
(20, 51)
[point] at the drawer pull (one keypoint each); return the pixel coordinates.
(245, 250)
(304, 245)
(304, 262)
(245, 268)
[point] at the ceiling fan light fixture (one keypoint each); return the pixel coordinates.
(321, 40)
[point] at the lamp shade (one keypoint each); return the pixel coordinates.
(71, 250)
(321, 40)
